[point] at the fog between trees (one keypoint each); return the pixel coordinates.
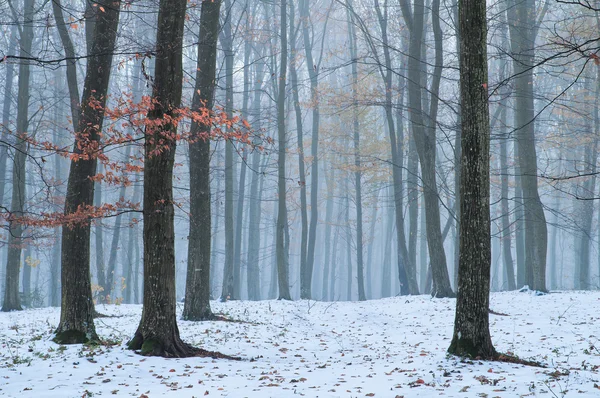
(314, 150)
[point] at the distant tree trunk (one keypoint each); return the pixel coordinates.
(197, 289)
(99, 241)
(349, 277)
(553, 243)
(328, 220)
(77, 308)
(369, 290)
(424, 136)
(412, 171)
(239, 215)
(27, 277)
(386, 269)
(254, 291)
(471, 336)
(406, 270)
(523, 32)
(157, 333)
(304, 284)
(504, 172)
(54, 282)
(357, 166)
(116, 239)
(228, 291)
(519, 222)
(17, 205)
(215, 229)
(313, 73)
(274, 278)
(6, 105)
(282, 219)
(71, 69)
(587, 192)
(425, 279)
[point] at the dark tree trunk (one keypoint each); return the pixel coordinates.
(157, 333)
(77, 308)
(471, 336)
(17, 205)
(197, 288)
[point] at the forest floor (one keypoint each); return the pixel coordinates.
(392, 347)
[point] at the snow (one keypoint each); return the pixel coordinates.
(392, 347)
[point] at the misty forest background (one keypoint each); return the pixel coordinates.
(371, 167)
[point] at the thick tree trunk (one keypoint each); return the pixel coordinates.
(17, 205)
(197, 288)
(471, 336)
(77, 308)
(157, 333)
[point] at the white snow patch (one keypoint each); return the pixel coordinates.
(390, 347)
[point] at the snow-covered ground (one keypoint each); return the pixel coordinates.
(384, 348)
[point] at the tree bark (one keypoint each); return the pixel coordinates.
(282, 219)
(228, 291)
(77, 308)
(425, 140)
(17, 205)
(253, 280)
(157, 333)
(6, 105)
(304, 285)
(313, 73)
(197, 289)
(471, 336)
(523, 35)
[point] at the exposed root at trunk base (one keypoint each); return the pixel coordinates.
(513, 359)
(171, 348)
(71, 336)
